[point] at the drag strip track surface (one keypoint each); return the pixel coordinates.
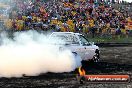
(114, 60)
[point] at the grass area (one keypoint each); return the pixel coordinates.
(111, 40)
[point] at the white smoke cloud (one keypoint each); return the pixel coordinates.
(31, 53)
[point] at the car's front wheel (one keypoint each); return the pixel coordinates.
(96, 57)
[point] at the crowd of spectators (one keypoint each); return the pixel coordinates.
(85, 16)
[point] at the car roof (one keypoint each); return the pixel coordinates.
(66, 33)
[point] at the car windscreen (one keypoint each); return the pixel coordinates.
(83, 40)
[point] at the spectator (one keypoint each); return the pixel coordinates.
(84, 16)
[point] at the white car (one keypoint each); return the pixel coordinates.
(79, 45)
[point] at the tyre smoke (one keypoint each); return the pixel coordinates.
(32, 53)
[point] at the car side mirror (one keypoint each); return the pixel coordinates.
(87, 44)
(92, 43)
(67, 44)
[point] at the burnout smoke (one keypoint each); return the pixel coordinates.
(32, 53)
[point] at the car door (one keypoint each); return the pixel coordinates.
(75, 45)
(88, 48)
(79, 50)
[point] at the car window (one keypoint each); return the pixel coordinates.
(83, 40)
(67, 38)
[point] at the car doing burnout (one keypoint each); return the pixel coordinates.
(78, 44)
